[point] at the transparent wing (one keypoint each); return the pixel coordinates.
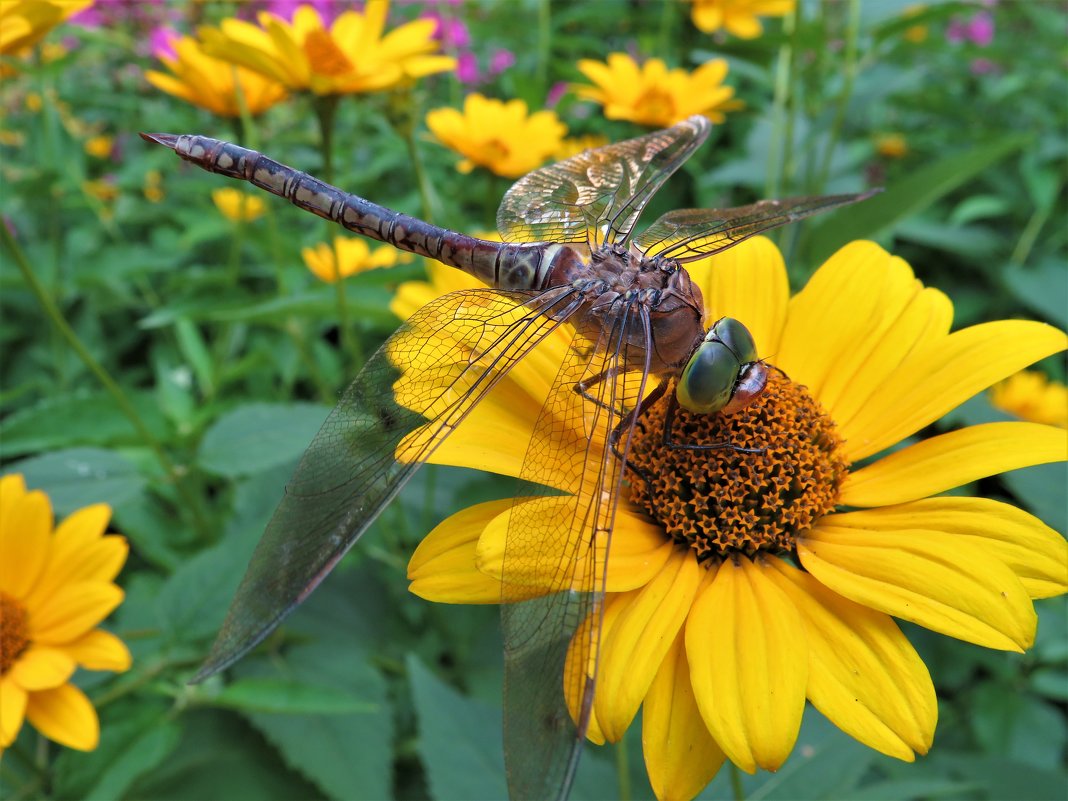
(561, 543)
(410, 395)
(595, 197)
(689, 234)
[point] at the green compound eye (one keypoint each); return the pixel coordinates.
(723, 374)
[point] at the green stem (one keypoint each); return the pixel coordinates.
(67, 333)
(326, 112)
(422, 180)
(545, 34)
(350, 345)
(773, 182)
(736, 783)
(849, 74)
(664, 40)
(623, 769)
(1031, 231)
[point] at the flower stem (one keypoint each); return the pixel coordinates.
(737, 790)
(545, 34)
(623, 770)
(773, 182)
(67, 333)
(326, 112)
(849, 74)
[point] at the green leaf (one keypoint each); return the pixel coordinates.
(1018, 726)
(193, 601)
(282, 695)
(84, 418)
(195, 351)
(348, 756)
(258, 436)
(459, 740)
(79, 477)
(895, 790)
(1042, 288)
(1051, 683)
(917, 191)
(1001, 778)
(1041, 489)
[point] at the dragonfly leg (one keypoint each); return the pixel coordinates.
(583, 387)
(668, 442)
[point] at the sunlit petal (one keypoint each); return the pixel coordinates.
(65, 716)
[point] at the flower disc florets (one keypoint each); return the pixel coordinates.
(14, 634)
(724, 501)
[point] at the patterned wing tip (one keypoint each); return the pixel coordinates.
(167, 140)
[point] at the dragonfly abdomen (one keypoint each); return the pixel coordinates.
(524, 266)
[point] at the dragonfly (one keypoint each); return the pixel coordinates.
(572, 262)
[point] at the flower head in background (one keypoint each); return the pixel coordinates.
(153, 186)
(652, 94)
(891, 145)
(347, 257)
(977, 29)
(354, 54)
(738, 17)
(56, 586)
(238, 206)
(1031, 395)
(500, 136)
(737, 587)
(213, 84)
(24, 23)
(915, 33)
(100, 146)
(574, 145)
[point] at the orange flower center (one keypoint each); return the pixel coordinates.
(324, 56)
(14, 633)
(722, 501)
(495, 151)
(655, 105)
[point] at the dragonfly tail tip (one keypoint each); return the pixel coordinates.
(167, 140)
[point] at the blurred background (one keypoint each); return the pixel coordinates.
(171, 340)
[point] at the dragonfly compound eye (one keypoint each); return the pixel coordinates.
(723, 374)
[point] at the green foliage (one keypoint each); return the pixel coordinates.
(229, 354)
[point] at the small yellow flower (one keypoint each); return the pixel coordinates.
(915, 33)
(891, 146)
(352, 55)
(574, 145)
(210, 82)
(497, 135)
(653, 95)
(742, 585)
(12, 138)
(99, 146)
(739, 17)
(34, 102)
(23, 23)
(348, 257)
(153, 186)
(56, 586)
(1030, 395)
(104, 191)
(237, 206)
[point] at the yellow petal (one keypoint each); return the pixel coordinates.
(749, 665)
(926, 578)
(100, 650)
(834, 313)
(25, 540)
(542, 554)
(12, 709)
(639, 640)
(935, 379)
(444, 566)
(65, 716)
(680, 755)
(864, 675)
(12, 488)
(727, 280)
(40, 667)
(73, 610)
(950, 460)
(1036, 553)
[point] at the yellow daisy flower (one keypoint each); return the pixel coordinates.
(891, 146)
(352, 55)
(654, 95)
(739, 17)
(99, 146)
(573, 145)
(347, 257)
(238, 206)
(55, 587)
(211, 83)
(499, 136)
(742, 584)
(23, 23)
(1030, 395)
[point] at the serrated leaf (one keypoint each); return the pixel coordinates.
(917, 191)
(348, 756)
(84, 418)
(78, 477)
(289, 696)
(259, 436)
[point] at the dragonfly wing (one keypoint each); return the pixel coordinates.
(409, 396)
(595, 197)
(561, 544)
(689, 234)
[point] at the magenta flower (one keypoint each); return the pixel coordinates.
(450, 31)
(467, 67)
(983, 66)
(161, 42)
(556, 91)
(501, 60)
(978, 30)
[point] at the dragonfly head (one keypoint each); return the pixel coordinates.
(723, 374)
